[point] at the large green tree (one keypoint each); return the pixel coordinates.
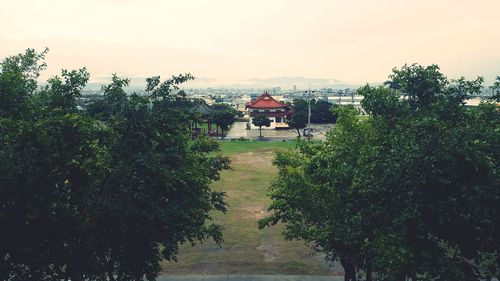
(411, 192)
(104, 198)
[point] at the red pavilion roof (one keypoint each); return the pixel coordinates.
(265, 101)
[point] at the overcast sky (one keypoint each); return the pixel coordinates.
(226, 42)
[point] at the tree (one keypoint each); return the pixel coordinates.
(495, 89)
(114, 101)
(224, 116)
(420, 84)
(300, 105)
(411, 192)
(321, 111)
(90, 199)
(260, 121)
(313, 211)
(51, 159)
(298, 121)
(18, 81)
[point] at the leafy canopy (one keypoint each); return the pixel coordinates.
(104, 192)
(411, 192)
(298, 121)
(321, 111)
(261, 120)
(224, 116)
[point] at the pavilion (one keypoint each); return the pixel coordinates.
(203, 113)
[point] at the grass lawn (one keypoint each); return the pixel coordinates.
(234, 147)
(246, 249)
(204, 126)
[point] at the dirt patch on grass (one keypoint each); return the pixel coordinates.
(255, 159)
(269, 251)
(254, 212)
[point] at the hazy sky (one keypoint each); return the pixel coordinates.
(225, 42)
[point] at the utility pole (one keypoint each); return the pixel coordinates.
(309, 110)
(309, 115)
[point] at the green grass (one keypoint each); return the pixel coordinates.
(202, 125)
(233, 147)
(246, 249)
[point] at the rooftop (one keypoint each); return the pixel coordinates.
(265, 101)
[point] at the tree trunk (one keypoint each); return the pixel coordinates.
(111, 277)
(369, 272)
(222, 133)
(110, 271)
(400, 277)
(76, 277)
(469, 274)
(260, 131)
(298, 131)
(498, 264)
(349, 270)
(498, 259)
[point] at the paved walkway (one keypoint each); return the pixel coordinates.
(238, 129)
(249, 278)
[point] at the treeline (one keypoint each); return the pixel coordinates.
(104, 193)
(320, 110)
(411, 193)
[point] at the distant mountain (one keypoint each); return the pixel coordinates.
(286, 83)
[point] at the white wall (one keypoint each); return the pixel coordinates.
(273, 124)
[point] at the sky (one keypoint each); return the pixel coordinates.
(248, 43)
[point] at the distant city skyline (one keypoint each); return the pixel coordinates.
(230, 43)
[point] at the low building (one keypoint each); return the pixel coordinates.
(266, 105)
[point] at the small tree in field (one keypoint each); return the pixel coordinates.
(260, 121)
(298, 121)
(224, 119)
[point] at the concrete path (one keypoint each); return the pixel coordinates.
(249, 278)
(238, 129)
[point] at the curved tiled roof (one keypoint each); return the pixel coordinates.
(265, 101)
(202, 107)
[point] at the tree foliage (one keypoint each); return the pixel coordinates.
(224, 116)
(411, 192)
(298, 121)
(321, 111)
(99, 195)
(18, 81)
(495, 89)
(114, 99)
(259, 121)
